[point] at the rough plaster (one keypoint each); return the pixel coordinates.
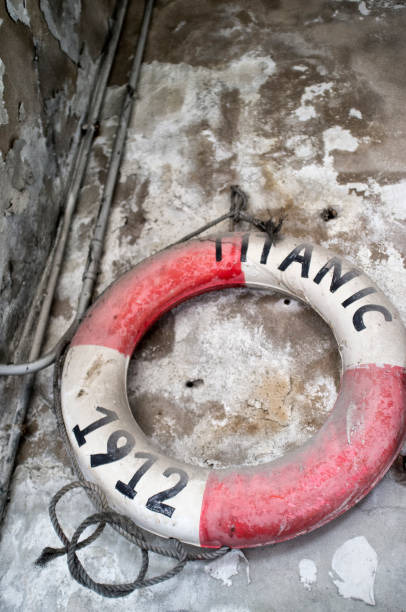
(63, 19)
(43, 96)
(218, 105)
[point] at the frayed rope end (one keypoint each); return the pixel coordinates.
(49, 554)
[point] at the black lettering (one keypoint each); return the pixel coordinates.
(302, 259)
(80, 434)
(128, 489)
(155, 502)
(337, 280)
(358, 321)
(219, 254)
(266, 249)
(114, 452)
(244, 247)
(358, 296)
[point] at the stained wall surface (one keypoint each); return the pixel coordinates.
(48, 55)
(302, 105)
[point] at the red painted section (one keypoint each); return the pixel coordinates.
(321, 480)
(128, 308)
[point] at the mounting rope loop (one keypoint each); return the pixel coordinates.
(247, 506)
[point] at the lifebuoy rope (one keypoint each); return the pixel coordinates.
(106, 516)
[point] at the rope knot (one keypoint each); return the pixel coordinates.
(270, 227)
(239, 202)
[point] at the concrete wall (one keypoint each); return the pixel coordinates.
(48, 55)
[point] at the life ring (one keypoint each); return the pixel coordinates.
(247, 506)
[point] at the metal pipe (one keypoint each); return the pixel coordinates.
(96, 244)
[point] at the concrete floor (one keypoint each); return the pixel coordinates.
(302, 104)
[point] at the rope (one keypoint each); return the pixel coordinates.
(239, 202)
(48, 554)
(124, 525)
(105, 515)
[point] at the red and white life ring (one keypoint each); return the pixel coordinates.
(246, 506)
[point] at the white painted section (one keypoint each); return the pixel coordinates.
(65, 31)
(96, 376)
(355, 562)
(179, 26)
(228, 566)
(381, 342)
(308, 573)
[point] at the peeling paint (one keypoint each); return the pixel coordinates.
(3, 110)
(306, 110)
(338, 139)
(363, 9)
(355, 563)
(18, 11)
(64, 26)
(354, 421)
(308, 573)
(39, 110)
(227, 566)
(353, 112)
